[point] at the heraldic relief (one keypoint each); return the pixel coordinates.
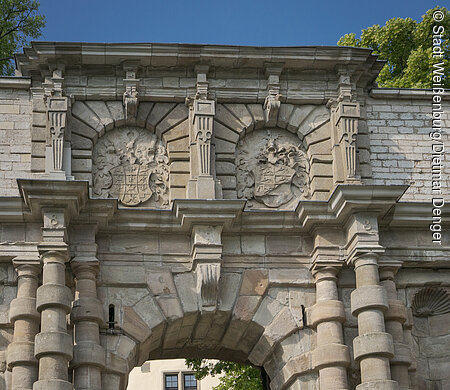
(132, 165)
(272, 169)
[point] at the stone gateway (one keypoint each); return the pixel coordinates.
(265, 205)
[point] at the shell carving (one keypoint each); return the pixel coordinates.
(431, 301)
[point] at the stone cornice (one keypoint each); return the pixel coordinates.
(346, 200)
(15, 82)
(309, 215)
(37, 60)
(406, 93)
(53, 194)
(207, 212)
(174, 54)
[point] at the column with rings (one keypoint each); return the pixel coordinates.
(26, 320)
(395, 317)
(53, 345)
(331, 356)
(87, 313)
(373, 347)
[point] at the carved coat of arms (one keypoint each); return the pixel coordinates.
(272, 169)
(132, 165)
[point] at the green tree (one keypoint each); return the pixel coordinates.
(19, 21)
(235, 376)
(407, 46)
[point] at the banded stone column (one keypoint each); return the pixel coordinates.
(26, 319)
(331, 356)
(373, 347)
(53, 346)
(395, 317)
(87, 314)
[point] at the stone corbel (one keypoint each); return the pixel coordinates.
(345, 118)
(272, 102)
(203, 183)
(131, 94)
(207, 256)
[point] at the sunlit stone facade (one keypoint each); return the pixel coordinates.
(266, 205)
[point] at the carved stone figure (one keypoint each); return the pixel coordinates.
(131, 164)
(272, 169)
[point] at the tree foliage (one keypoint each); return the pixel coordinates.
(19, 21)
(236, 376)
(407, 46)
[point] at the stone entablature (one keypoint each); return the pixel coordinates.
(222, 202)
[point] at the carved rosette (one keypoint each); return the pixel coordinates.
(272, 169)
(132, 165)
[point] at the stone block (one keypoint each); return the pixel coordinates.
(253, 244)
(439, 325)
(149, 312)
(245, 307)
(160, 282)
(254, 282)
(134, 325)
(228, 289)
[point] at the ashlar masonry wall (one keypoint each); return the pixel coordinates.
(15, 134)
(400, 143)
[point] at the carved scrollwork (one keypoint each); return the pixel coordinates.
(131, 164)
(272, 169)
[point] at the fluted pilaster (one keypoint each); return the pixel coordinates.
(331, 356)
(26, 319)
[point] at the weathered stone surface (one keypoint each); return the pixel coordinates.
(308, 183)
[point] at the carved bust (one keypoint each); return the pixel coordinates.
(131, 164)
(272, 169)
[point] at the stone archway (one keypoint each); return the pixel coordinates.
(256, 322)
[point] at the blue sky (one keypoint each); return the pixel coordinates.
(234, 22)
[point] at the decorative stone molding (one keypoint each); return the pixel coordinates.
(345, 114)
(131, 94)
(272, 169)
(203, 183)
(132, 165)
(58, 149)
(207, 257)
(272, 102)
(431, 301)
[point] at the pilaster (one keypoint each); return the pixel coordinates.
(203, 183)
(131, 94)
(395, 317)
(272, 102)
(373, 348)
(26, 320)
(58, 148)
(331, 357)
(88, 361)
(53, 346)
(55, 202)
(345, 115)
